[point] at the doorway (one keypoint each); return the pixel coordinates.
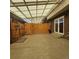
(59, 25)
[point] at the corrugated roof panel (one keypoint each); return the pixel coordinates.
(33, 15)
(17, 0)
(42, 0)
(18, 13)
(39, 11)
(44, 14)
(46, 11)
(30, 0)
(23, 8)
(14, 9)
(39, 14)
(33, 12)
(51, 6)
(40, 6)
(22, 16)
(27, 14)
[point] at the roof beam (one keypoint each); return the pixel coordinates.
(33, 3)
(36, 8)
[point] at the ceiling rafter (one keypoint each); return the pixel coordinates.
(35, 17)
(36, 8)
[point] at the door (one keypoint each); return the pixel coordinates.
(59, 25)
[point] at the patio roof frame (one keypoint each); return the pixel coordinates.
(33, 3)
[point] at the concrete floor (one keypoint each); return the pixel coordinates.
(41, 46)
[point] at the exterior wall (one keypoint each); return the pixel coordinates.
(17, 30)
(41, 28)
(14, 32)
(28, 28)
(22, 29)
(36, 28)
(66, 24)
(52, 26)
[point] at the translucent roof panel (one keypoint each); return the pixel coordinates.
(46, 11)
(30, 0)
(54, 0)
(17, 0)
(44, 14)
(21, 16)
(51, 6)
(23, 8)
(14, 9)
(33, 15)
(18, 13)
(39, 11)
(27, 14)
(39, 14)
(49, 0)
(33, 12)
(42, 0)
(40, 6)
(32, 7)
